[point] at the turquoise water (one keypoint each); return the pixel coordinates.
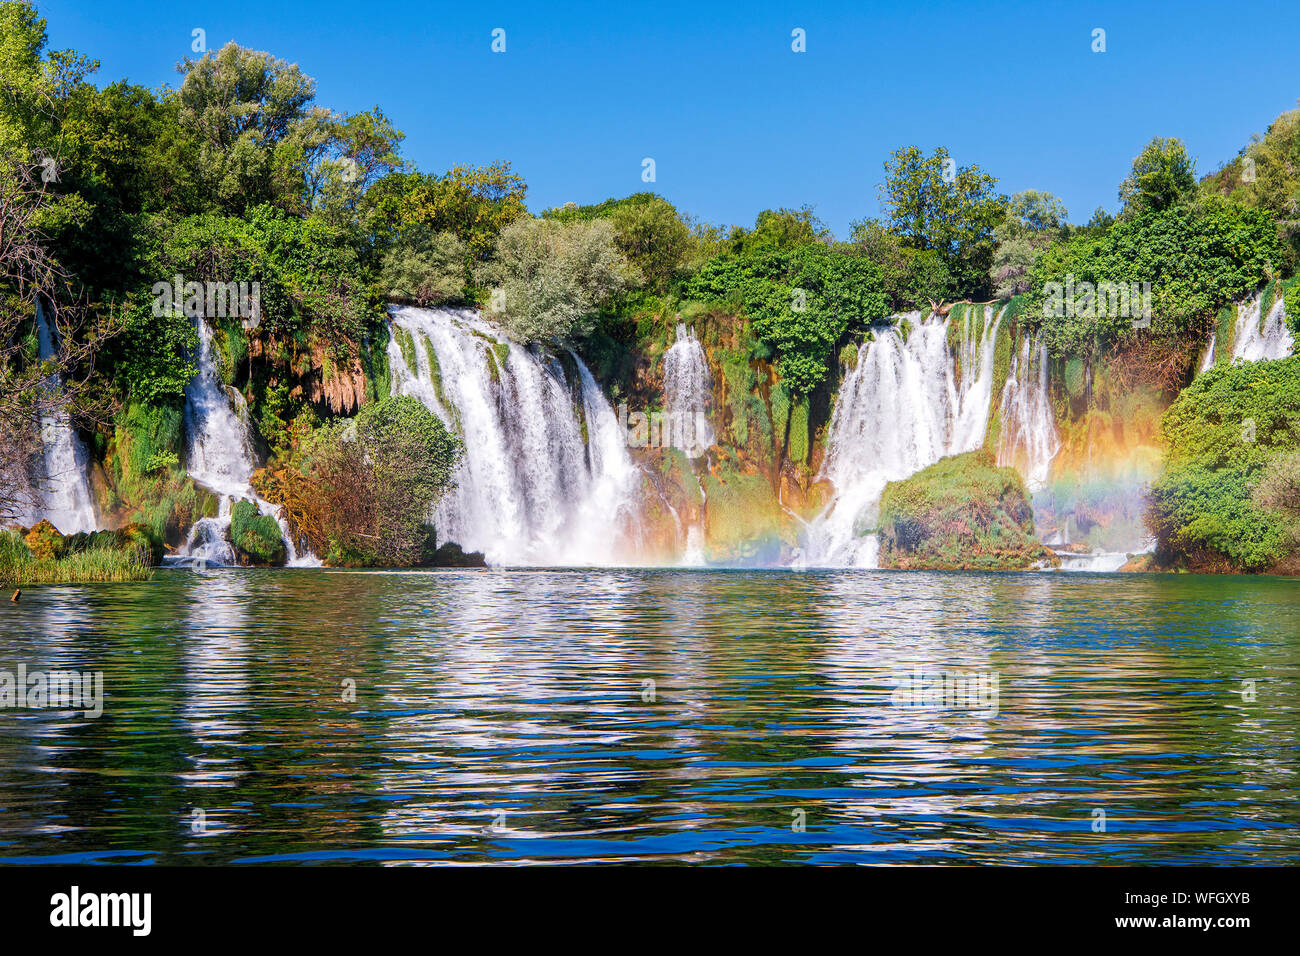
(506, 716)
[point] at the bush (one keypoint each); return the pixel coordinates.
(800, 302)
(425, 268)
(369, 484)
(1278, 493)
(101, 558)
(1221, 433)
(1196, 257)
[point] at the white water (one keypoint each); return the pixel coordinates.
(688, 394)
(529, 490)
(688, 398)
(1251, 343)
(1028, 441)
(1207, 359)
(62, 483)
(220, 457)
(1103, 561)
(901, 409)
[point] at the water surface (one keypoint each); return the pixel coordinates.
(507, 716)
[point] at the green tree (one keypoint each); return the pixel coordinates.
(550, 278)
(258, 136)
(1034, 219)
(425, 268)
(1163, 176)
(935, 205)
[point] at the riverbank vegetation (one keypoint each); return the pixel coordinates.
(238, 174)
(43, 556)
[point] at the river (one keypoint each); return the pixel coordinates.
(661, 715)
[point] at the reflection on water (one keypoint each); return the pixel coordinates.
(656, 715)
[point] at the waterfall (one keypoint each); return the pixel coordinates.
(1028, 440)
(62, 483)
(688, 394)
(903, 407)
(1207, 359)
(688, 398)
(220, 457)
(531, 488)
(1253, 341)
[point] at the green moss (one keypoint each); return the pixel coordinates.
(799, 431)
(1291, 303)
(406, 343)
(255, 536)
(963, 512)
(1267, 296)
(780, 402)
(1223, 329)
(849, 356)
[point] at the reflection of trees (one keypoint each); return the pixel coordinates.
(521, 691)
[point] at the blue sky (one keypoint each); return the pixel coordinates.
(735, 121)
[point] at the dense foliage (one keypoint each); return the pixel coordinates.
(1222, 433)
(801, 302)
(961, 512)
(365, 487)
(1196, 258)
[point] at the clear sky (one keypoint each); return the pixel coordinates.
(735, 121)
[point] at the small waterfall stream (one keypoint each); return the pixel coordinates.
(546, 478)
(902, 408)
(1028, 440)
(688, 393)
(1253, 340)
(62, 483)
(688, 399)
(220, 457)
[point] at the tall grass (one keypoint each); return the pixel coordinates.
(19, 568)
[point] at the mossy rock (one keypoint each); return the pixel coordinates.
(451, 555)
(963, 512)
(256, 536)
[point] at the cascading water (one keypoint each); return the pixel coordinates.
(902, 408)
(688, 398)
(531, 488)
(1028, 441)
(1253, 340)
(62, 485)
(220, 457)
(688, 393)
(1208, 357)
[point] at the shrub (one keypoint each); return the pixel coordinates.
(368, 484)
(1221, 433)
(425, 268)
(1197, 258)
(550, 278)
(800, 302)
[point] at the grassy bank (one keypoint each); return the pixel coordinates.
(20, 567)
